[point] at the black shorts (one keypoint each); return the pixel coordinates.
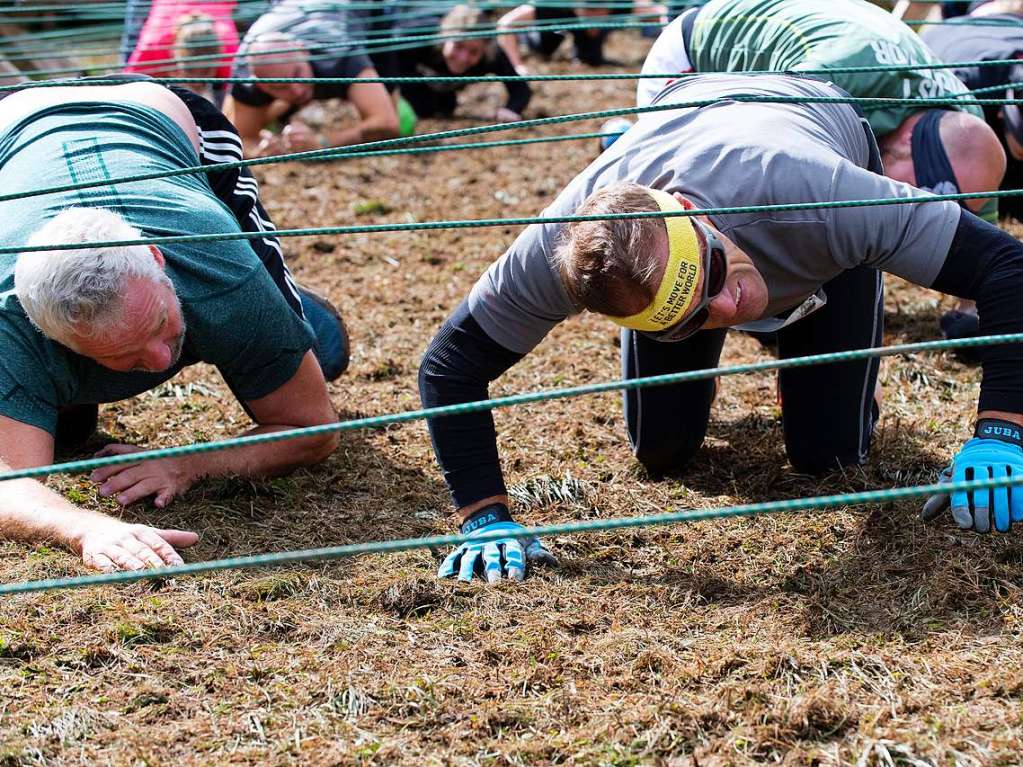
(238, 189)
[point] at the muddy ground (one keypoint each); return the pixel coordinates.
(857, 636)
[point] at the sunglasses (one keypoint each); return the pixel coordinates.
(715, 272)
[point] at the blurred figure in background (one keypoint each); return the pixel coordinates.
(1000, 38)
(297, 39)
(589, 43)
(455, 54)
(187, 38)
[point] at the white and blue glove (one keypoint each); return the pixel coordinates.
(496, 558)
(996, 451)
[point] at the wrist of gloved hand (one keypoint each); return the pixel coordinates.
(995, 452)
(493, 514)
(498, 557)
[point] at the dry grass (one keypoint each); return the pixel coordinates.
(851, 637)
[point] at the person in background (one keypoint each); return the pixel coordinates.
(961, 40)
(185, 38)
(456, 53)
(297, 39)
(589, 43)
(941, 150)
(930, 10)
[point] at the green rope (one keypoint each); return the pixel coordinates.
(581, 77)
(277, 559)
(338, 152)
(375, 422)
(995, 88)
(525, 221)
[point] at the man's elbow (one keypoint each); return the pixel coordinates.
(381, 128)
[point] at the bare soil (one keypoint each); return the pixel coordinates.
(856, 636)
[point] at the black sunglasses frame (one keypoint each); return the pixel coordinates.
(714, 256)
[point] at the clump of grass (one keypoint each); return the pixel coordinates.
(546, 490)
(273, 587)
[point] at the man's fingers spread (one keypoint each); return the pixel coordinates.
(105, 473)
(138, 491)
(141, 551)
(121, 479)
(179, 539)
(150, 557)
(125, 559)
(165, 553)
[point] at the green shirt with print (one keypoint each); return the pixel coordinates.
(236, 317)
(800, 35)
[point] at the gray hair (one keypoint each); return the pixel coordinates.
(68, 292)
(270, 49)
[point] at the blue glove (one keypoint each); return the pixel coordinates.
(996, 451)
(498, 557)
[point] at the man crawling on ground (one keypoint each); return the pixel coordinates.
(104, 323)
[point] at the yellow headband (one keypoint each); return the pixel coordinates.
(681, 274)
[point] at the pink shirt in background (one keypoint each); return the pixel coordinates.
(156, 40)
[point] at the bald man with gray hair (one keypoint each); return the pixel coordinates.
(296, 40)
(103, 323)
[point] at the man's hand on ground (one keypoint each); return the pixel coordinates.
(269, 144)
(504, 557)
(299, 137)
(165, 478)
(505, 115)
(994, 453)
(110, 544)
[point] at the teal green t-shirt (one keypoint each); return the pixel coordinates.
(797, 35)
(236, 317)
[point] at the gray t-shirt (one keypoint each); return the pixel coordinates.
(737, 154)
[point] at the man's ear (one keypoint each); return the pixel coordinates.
(687, 204)
(684, 201)
(158, 257)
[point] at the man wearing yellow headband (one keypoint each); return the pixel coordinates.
(675, 284)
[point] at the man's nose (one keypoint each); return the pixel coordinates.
(157, 356)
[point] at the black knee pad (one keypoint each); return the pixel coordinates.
(667, 458)
(817, 461)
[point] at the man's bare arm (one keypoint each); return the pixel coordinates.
(302, 401)
(31, 512)
(378, 119)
